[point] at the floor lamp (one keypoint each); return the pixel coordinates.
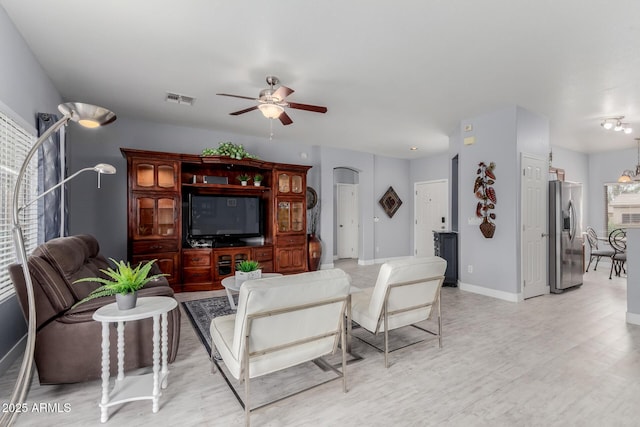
(89, 116)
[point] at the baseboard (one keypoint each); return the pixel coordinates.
(326, 266)
(383, 260)
(16, 351)
(633, 318)
(366, 262)
(493, 293)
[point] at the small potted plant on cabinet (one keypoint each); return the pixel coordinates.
(124, 283)
(243, 178)
(257, 180)
(247, 270)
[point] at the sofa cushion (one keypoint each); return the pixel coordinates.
(75, 257)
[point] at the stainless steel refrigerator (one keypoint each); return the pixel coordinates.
(565, 235)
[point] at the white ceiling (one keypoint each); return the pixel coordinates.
(392, 74)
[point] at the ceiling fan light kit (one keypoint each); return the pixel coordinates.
(616, 124)
(271, 111)
(272, 104)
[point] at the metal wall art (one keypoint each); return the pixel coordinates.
(390, 202)
(483, 189)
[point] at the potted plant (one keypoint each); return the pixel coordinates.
(257, 179)
(243, 178)
(247, 270)
(487, 194)
(124, 283)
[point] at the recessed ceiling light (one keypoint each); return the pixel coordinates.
(413, 148)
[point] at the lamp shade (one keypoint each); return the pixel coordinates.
(271, 111)
(105, 168)
(87, 115)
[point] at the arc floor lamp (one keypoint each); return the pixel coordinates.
(86, 115)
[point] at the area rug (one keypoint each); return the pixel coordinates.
(200, 313)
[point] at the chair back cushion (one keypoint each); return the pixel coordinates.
(422, 292)
(273, 294)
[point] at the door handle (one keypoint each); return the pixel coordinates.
(544, 235)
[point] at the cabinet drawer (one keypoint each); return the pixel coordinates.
(196, 275)
(200, 258)
(296, 240)
(151, 246)
(263, 254)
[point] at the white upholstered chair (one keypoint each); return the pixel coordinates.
(282, 322)
(406, 292)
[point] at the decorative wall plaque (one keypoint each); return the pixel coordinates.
(390, 202)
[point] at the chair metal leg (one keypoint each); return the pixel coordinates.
(613, 262)
(386, 337)
(589, 265)
(344, 360)
(439, 325)
(247, 405)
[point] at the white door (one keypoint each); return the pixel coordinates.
(431, 207)
(534, 207)
(347, 220)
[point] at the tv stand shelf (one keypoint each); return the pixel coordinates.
(226, 188)
(158, 185)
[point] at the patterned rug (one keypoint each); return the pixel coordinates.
(201, 312)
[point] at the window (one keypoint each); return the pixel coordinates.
(15, 143)
(622, 205)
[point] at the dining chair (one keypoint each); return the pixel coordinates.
(595, 251)
(618, 241)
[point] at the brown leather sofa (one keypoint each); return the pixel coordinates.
(68, 340)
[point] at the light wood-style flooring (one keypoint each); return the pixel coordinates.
(554, 360)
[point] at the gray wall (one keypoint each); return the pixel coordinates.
(392, 236)
(26, 90)
(576, 167)
(500, 137)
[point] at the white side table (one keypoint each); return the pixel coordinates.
(136, 387)
(230, 286)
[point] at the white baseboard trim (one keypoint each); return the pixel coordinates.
(366, 261)
(633, 318)
(326, 266)
(16, 351)
(383, 260)
(493, 293)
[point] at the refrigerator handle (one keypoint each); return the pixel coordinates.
(572, 221)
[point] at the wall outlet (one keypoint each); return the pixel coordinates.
(470, 268)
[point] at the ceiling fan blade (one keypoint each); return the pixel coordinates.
(237, 96)
(246, 110)
(282, 92)
(307, 107)
(285, 119)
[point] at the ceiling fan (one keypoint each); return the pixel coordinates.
(271, 102)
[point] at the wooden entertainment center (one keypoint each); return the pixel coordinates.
(158, 185)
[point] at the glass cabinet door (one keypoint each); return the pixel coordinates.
(284, 185)
(297, 216)
(284, 217)
(155, 217)
(290, 183)
(290, 216)
(155, 175)
(296, 184)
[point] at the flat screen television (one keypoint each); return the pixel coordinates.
(222, 216)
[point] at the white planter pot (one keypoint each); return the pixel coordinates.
(244, 183)
(241, 276)
(257, 183)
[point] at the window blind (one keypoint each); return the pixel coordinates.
(15, 143)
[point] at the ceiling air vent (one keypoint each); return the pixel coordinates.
(179, 99)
